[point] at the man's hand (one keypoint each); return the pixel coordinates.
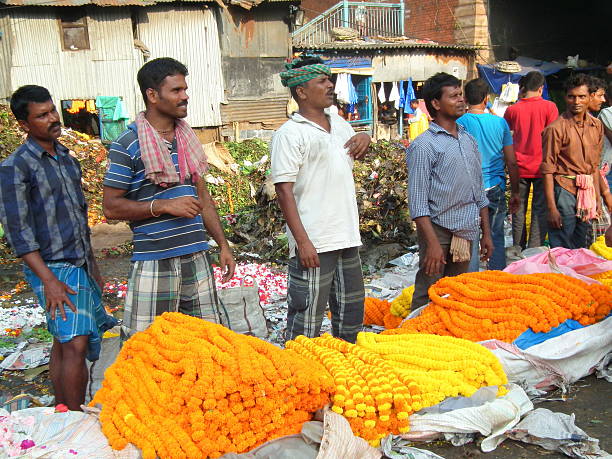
(185, 206)
(486, 247)
(609, 237)
(434, 259)
(514, 203)
(554, 218)
(56, 295)
(227, 262)
(358, 145)
(309, 258)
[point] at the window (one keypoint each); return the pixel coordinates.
(73, 30)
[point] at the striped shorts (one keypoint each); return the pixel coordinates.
(337, 281)
(185, 284)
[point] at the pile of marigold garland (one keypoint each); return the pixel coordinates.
(499, 305)
(189, 388)
(382, 380)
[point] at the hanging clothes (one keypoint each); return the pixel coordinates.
(342, 88)
(394, 94)
(402, 95)
(382, 97)
(409, 95)
(353, 99)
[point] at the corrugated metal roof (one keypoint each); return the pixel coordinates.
(407, 44)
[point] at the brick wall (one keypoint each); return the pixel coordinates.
(431, 19)
(312, 8)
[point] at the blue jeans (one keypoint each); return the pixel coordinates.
(497, 215)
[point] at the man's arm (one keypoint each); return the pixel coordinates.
(551, 145)
(554, 217)
(513, 173)
(419, 164)
(434, 257)
(117, 207)
(214, 228)
(486, 241)
(609, 237)
(305, 248)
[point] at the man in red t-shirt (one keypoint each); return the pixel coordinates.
(527, 119)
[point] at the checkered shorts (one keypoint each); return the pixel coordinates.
(185, 284)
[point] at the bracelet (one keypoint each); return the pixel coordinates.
(151, 208)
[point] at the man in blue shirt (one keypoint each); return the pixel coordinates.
(154, 180)
(44, 213)
(445, 190)
(495, 145)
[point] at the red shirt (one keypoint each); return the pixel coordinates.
(527, 119)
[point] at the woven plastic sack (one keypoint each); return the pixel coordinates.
(241, 310)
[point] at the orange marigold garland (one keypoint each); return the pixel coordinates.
(375, 310)
(189, 388)
(499, 305)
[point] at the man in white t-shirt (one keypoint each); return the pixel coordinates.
(312, 168)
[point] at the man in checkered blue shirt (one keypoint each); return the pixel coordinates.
(445, 189)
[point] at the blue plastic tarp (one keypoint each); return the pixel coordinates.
(530, 338)
(496, 79)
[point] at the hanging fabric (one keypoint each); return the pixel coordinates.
(382, 97)
(342, 88)
(394, 94)
(352, 91)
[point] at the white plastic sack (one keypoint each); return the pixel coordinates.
(66, 435)
(492, 419)
(557, 432)
(558, 361)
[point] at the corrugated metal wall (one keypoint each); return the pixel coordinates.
(107, 69)
(5, 55)
(419, 65)
(189, 34)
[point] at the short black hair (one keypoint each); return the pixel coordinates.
(532, 81)
(24, 95)
(304, 61)
(432, 89)
(576, 80)
(595, 84)
(476, 91)
(153, 73)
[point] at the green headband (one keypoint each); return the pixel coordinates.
(294, 77)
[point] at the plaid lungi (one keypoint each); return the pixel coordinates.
(338, 281)
(90, 318)
(185, 284)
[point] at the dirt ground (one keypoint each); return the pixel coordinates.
(589, 399)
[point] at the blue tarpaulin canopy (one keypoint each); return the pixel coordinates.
(496, 79)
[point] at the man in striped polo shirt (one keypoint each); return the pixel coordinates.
(155, 181)
(445, 189)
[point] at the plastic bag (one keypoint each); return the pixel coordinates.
(241, 310)
(577, 263)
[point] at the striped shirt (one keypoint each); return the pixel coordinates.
(42, 206)
(160, 237)
(445, 180)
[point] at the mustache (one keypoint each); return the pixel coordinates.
(55, 125)
(183, 104)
